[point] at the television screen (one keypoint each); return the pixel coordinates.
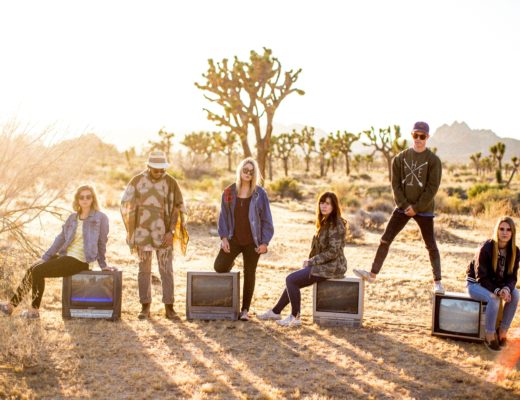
(459, 316)
(212, 291)
(92, 289)
(337, 297)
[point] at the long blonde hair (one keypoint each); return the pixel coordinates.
(511, 244)
(75, 203)
(256, 179)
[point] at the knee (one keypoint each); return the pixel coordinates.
(221, 267)
(493, 301)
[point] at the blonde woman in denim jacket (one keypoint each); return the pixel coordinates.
(73, 251)
(245, 225)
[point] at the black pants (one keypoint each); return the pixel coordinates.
(397, 222)
(35, 277)
(224, 262)
(293, 283)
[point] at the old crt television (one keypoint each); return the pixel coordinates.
(456, 315)
(93, 294)
(212, 295)
(338, 302)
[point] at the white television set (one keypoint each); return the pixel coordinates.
(338, 302)
(458, 316)
(212, 295)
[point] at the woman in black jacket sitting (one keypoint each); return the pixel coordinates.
(491, 277)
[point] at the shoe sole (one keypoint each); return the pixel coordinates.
(365, 278)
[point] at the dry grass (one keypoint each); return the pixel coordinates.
(392, 356)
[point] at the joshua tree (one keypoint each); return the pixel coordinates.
(249, 93)
(227, 145)
(344, 143)
(164, 143)
(497, 152)
(325, 147)
(516, 163)
(202, 143)
(283, 146)
(475, 158)
(307, 143)
(387, 144)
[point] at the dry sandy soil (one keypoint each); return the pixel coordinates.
(392, 356)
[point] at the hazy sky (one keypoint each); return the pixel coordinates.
(125, 69)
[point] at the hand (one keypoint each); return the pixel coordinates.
(505, 295)
(410, 211)
(262, 249)
(224, 244)
(305, 263)
(109, 268)
(167, 239)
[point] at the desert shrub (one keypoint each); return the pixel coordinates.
(119, 176)
(204, 185)
(201, 213)
(451, 205)
(478, 188)
(373, 220)
(350, 201)
(354, 230)
(179, 175)
(381, 204)
(344, 190)
(199, 171)
(365, 177)
(494, 202)
(456, 192)
(286, 187)
(379, 190)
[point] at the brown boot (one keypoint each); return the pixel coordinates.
(145, 311)
(169, 311)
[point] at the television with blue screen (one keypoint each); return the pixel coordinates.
(212, 295)
(458, 316)
(92, 294)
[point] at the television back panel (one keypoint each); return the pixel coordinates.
(213, 296)
(93, 294)
(339, 302)
(458, 316)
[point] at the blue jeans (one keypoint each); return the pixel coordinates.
(477, 292)
(294, 282)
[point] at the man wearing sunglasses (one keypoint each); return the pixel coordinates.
(416, 176)
(153, 211)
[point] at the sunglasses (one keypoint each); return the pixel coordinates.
(504, 229)
(421, 136)
(157, 171)
(248, 171)
(85, 197)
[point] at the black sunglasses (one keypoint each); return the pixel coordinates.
(421, 136)
(248, 171)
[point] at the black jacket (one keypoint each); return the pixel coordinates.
(480, 269)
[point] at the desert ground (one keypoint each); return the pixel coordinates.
(392, 356)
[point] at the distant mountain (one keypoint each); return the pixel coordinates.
(457, 142)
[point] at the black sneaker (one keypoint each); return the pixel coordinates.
(493, 345)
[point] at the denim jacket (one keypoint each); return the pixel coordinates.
(95, 236)
(260, 217)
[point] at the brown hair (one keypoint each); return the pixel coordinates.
(75, 203)
(335, 214)
(511, 245)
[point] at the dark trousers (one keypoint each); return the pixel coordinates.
(397, 222)
(35, 277)
(224, 262)
(293, 283)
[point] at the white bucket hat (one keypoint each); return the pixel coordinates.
(157, 159)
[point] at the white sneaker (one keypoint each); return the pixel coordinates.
(290, 321)
(365, 275)
(438, 288)
(244, 315)
(269, 315)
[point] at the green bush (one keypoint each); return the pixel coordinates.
(478, 188)
(286, 187)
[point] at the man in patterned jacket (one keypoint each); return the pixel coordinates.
(154, 215)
